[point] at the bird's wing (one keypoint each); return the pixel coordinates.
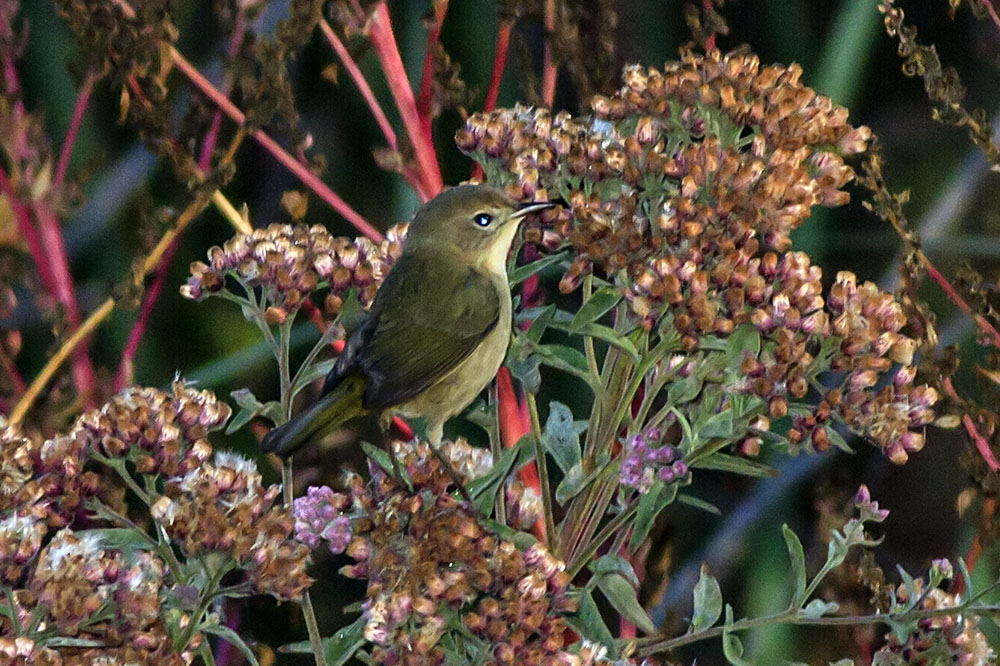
(427, 318)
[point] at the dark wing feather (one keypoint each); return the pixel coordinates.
(412, 338)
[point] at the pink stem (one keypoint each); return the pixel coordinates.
(427, 78)
(710, 42)
(212, 136)
(549, 69)
(126, 368)
(308, 178)
(384, 42)
(52, 241)
(29, 233)
(499, 62)
(981, 444)
(359, 80)
(79, 110)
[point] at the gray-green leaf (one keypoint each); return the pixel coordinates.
(707, 601)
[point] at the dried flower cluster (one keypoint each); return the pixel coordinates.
(76, 585)
(289, 262)
(222, 505)
(942, 639)
(427, 559)
(686, 184)
(707, 158)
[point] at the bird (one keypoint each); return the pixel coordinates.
(438, 329)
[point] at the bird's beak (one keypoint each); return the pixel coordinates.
(530, 207)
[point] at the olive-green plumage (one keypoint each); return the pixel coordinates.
(438, 329)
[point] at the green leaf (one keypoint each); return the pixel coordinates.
(744, 338)
(522, 273)
(607, 334)
(699, 503)
(622, 596)
(563, 357)
(234, 639)
(561, 436)
(485, 488)
(340, 647)
(798, 560)
(725, 462)
(525, 370)
(707, 601)
(614, 564)
(575, 482)
(732, 647)
(599, 303)
(837, 439)
(541, 322)
(249, 408)
(315, 371)
(380, 456)
(684, 390)
(718, 425)
(660, 495)
(817, 608)
(587, 621)
(71, 642)
(122, 538)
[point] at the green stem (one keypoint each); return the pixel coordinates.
(324, 340)
(543, 471)
(206, 654)
(652, 646)
(588, 346)
(15, 620)
(581, 559)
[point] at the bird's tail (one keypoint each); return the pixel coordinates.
(332, 410)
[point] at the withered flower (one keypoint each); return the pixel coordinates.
(289, 262)
(426, 558)
(222, 505)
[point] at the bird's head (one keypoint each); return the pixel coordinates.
(478, 220)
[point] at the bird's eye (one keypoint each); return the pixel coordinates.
(483, 219)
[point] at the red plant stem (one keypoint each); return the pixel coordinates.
(970, 427)
(126, 368)
(710, 42)
(515, 423)
(359, 80)
(991, 10)
(384, 42)
(957, 299)
(79, 110)
(981, 444)
(427, 78)
(212, 136)
(412, 177)
(54, 247)
(29, 233)
(308, 178)
(549, 69)
(499, 62)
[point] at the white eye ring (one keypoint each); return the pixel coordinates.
(483, 219)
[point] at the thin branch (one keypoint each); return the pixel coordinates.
(981, 444)
(126, 368)
(79, 110)
(359, 80)
(308, 178)
(499, 62)
(101, 313)
(427, 78)
(549, 68)
(212, 136)
(384, 42)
